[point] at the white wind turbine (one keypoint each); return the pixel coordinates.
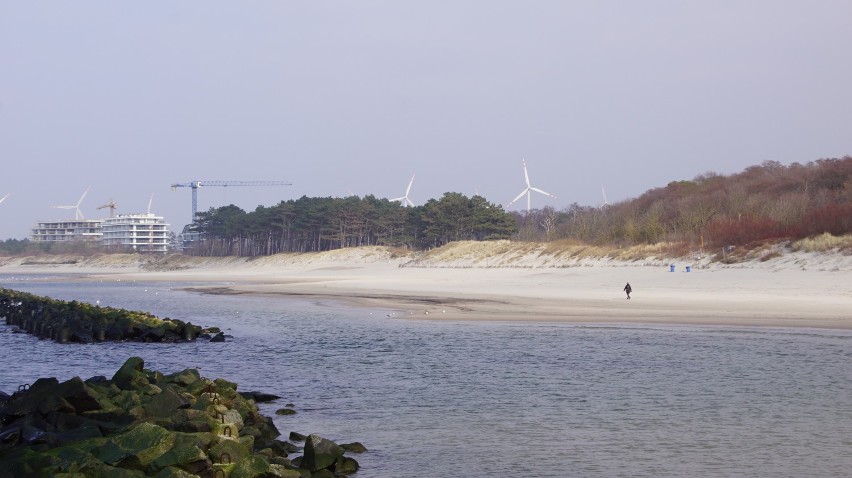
(603, 191)
(404, 200)
(4, 197)
(528, 190)
(78, 214)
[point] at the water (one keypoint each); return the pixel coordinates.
(438, 399)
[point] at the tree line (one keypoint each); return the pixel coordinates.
(769, 201)
(319, 224)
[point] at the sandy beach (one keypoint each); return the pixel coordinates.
(795, 290)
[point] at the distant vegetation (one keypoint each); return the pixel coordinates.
(319, 224)
(766, 202)
(763, 203)
(26, 247)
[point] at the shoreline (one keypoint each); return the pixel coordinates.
(760, 296)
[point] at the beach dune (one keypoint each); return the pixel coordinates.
(791, 290)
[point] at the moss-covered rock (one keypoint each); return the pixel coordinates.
(144, 423)
(74, 321)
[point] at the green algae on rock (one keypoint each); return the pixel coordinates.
(74, 321)
(189, 426)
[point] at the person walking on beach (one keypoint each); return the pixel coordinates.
(628, 289)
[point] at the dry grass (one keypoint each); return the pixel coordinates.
(824, 243)
(578, 250)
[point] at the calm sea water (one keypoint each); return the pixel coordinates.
(437, 399)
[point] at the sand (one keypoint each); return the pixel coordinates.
(812, 291)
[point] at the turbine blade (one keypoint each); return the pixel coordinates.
(526, 175)
(543, 192)
(408, 189)
(83, 196)
(4, 197)
(525, 191)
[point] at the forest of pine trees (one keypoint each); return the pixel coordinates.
(319, 224)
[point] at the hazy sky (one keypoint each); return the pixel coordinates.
(353, 97)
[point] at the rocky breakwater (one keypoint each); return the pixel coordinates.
(74, 321)
(143, 423)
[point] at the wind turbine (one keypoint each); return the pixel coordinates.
(404, 200)
(528, 190)
(78, 214)
(603, 191)
(4, 197)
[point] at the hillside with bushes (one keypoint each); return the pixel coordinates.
(762, 203)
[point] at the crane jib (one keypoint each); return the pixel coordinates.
(194, 185)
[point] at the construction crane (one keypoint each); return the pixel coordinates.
(197, 184)
(111, 205)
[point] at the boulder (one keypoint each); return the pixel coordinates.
(250, 467)
(154, 334)
(172, 472)
(183, 455)
(259, 397)
(285, 411)
(136, 448)
(48, 396)
(125, 375)
(220, 337)
(322, 474)
(184, 378)
(164, 404)
(320, 453)
(345, 465)
(227, 450)
(354, 447)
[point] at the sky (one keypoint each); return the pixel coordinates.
(355, 97)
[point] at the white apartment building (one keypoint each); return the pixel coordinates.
(136, 232)
(71, 230)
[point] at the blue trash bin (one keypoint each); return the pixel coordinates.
(688, 268)
(671, 268)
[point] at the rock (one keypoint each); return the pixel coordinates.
(137, 448)
(184, 378)
(172, 472)
(354, 447)
(285, 411)
(220, 337)
(164, 404)
(250, 467)
(128, 372)
(184, 454)
(259, 397)
(144, 423)
(10, 436)
(320, 453)
(224, 450)
(48, 396)
(345, 465)
(297, 436)
(322, 474)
